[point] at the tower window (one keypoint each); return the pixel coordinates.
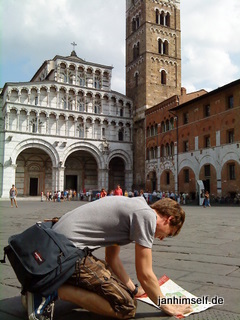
(157, 16)
(165, 47)
(136, 79)
(135, 23)
(163, 77)
(168, 20)
(162, 46)
(163, 18)
(138, 22)
(136, 50)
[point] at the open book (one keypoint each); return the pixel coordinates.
(173, 293)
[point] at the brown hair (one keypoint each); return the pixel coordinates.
(170, 208)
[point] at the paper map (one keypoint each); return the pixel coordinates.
(170, 289)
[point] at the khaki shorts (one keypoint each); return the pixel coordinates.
(95, 275)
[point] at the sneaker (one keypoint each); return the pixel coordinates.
(40, 308)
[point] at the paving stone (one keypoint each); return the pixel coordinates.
(203, 278)
(211, 268)
(210, 258)
(231, 297)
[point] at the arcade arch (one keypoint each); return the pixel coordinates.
(33, 172)
(151, 183)
(208, 175)
(81, 171)
(187, 181)
(167, 181)
(116, 173)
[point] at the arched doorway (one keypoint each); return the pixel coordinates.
(187, 182)
(33, 172)
(116, 173)
(167, 182)
(208, 175)
(81, 171)
(151, 183)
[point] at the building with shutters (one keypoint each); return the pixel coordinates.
(195, 137)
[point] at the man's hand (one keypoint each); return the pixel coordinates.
(176, 309)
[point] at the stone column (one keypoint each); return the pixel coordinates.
(57, 117)
(75, 127)
(8, 178)
(128, 179)
(47, 124)
(37, 117)
(61, 171)
(27, 122)
(55, 179)
(7, 121)
(48, 93)
(103, 179)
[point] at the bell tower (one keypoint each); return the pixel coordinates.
(153, 65)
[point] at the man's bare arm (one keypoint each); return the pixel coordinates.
(114, 261)
(149, 281)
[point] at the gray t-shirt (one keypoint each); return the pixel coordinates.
(109, 221)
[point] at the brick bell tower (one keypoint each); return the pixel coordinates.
(153, 65)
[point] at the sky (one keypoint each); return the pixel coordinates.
(32, 31)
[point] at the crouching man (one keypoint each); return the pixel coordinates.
(104, 287)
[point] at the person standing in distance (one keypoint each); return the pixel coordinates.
(118, 191)
(13, 195)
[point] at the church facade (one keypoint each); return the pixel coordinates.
(65, 129)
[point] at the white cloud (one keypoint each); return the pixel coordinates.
(210, 30)
(39, 30)
(201, 70)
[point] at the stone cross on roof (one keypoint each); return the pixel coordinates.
(74, 45)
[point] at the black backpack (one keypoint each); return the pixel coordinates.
(42, 258)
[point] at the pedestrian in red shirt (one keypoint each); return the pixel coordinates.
(118, 191)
